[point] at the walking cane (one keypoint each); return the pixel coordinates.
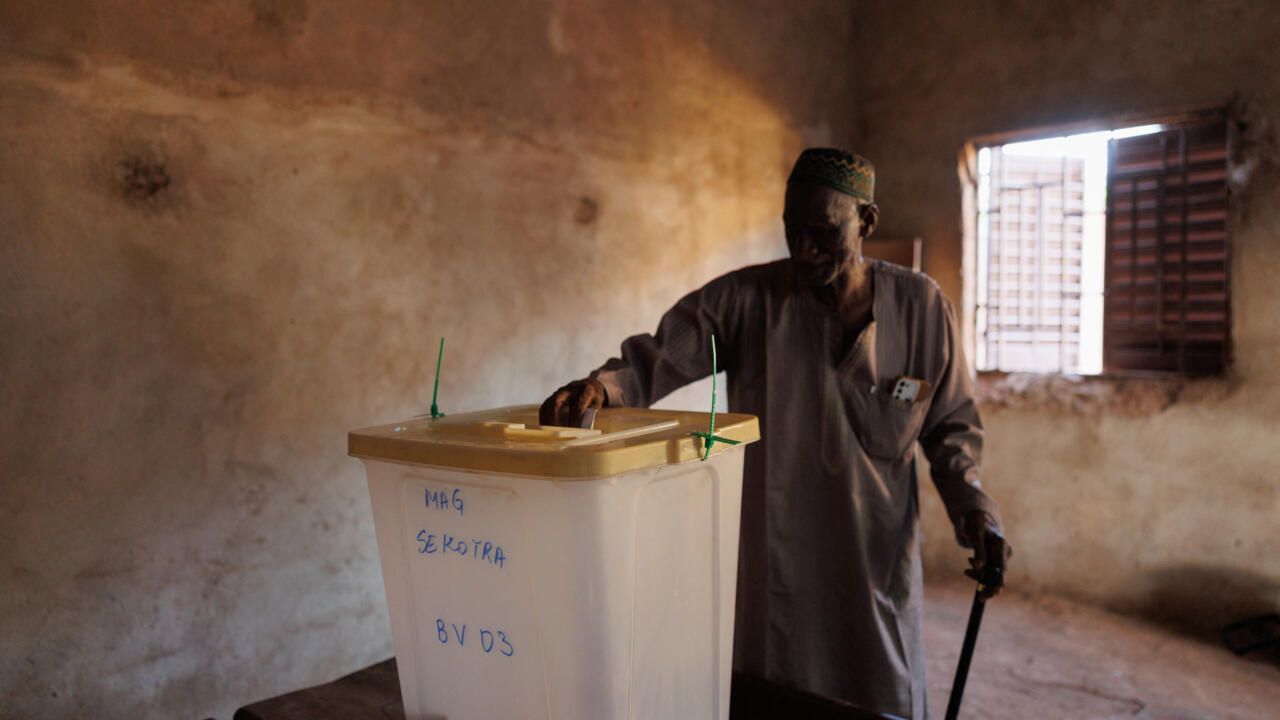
(991, 577)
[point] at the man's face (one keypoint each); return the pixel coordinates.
(824, 231)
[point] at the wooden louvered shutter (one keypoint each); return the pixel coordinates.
(1167, 304)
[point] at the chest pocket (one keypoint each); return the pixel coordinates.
(885, 427)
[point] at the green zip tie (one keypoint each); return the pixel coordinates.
(435, 409)
(710, 438)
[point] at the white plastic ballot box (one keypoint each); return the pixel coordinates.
(556, 573)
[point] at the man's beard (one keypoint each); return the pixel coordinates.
(820, 274)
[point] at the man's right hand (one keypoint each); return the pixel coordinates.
(989, 548)
(566, 405)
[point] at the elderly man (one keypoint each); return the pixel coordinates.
(847, 362)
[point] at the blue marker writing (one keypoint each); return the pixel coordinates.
(444, 500)
(428, 541)
(490, 640)
(446, 544)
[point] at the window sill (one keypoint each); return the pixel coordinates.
(1133, 395)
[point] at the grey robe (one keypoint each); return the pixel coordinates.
(829, 582)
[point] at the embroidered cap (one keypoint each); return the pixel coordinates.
(837, 169)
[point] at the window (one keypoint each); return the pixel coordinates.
(1104, 251)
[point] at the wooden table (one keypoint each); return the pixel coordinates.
(369, 694)
(374, 694)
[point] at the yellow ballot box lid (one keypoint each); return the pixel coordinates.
(510, 441)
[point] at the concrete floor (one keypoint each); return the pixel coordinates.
(1044, 658)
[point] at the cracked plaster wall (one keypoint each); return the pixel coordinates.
(235, 230)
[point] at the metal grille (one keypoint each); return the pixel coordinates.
(1029, 289)
(1167, 305)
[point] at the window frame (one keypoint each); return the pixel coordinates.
(969, 179)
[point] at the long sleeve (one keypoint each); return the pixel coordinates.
(652, 366)
(952, 435)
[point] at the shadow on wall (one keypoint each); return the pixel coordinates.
(1200, 599)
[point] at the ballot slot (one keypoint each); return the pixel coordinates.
(612, 426)
(619, 435)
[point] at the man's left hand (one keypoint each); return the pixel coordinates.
(989, 546)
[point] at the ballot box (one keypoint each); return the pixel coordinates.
(547, 573)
